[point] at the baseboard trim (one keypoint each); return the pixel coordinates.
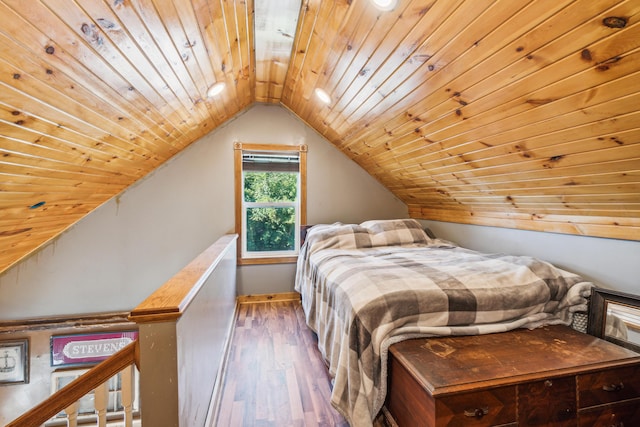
(285, 296)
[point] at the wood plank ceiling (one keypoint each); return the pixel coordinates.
(514, 113)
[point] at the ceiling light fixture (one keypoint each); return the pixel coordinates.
(385, 4)
(215, 89)
(324, 96)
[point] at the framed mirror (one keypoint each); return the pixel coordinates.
(615, 316)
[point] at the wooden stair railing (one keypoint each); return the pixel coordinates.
(183, 360)
(66, 399)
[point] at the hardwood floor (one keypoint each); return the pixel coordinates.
(275, 375)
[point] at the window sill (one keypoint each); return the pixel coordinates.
(264, 261)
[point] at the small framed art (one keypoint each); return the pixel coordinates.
(88, 348)
(14, 362)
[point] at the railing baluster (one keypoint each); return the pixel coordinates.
(127, 395)
(101, 395)
(72, 414)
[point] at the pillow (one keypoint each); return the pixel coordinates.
(338, 236)
(392, 232)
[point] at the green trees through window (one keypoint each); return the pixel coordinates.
(270, 199)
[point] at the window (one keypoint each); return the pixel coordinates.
(86, 404)
(270, 187)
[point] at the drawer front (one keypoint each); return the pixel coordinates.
(620, 414)
(608, 386)
(480, 408)
(548, 402)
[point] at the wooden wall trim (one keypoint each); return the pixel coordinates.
(265, 261)
(261, 298)
(40, 323)
(238, 180)
(623, 228)
(171, 300)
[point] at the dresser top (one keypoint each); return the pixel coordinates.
(446, 365)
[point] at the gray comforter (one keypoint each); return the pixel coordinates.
(365, 287)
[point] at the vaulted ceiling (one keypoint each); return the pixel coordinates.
(512, 113)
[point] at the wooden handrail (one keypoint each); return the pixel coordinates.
(171, 300)
(79, 387)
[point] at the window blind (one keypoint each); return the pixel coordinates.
(272, 162)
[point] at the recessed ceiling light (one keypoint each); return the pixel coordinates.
(216, 89)
(385, 4)
(324, 96)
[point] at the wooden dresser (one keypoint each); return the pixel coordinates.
(551, 376)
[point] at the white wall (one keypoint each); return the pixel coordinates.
(117, 255)
(609, 263)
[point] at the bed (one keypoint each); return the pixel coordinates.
(367, 286)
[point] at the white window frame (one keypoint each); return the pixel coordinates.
(267, 254)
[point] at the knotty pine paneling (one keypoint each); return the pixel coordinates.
(516, 113)
(96, 94)
(520, 114)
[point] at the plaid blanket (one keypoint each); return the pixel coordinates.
(365, 287)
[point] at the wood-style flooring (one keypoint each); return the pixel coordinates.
(275, 375)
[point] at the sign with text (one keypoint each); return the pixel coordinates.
(88, 348)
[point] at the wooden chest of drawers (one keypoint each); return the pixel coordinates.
(551, 376)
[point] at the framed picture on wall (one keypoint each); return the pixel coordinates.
(14, 362)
